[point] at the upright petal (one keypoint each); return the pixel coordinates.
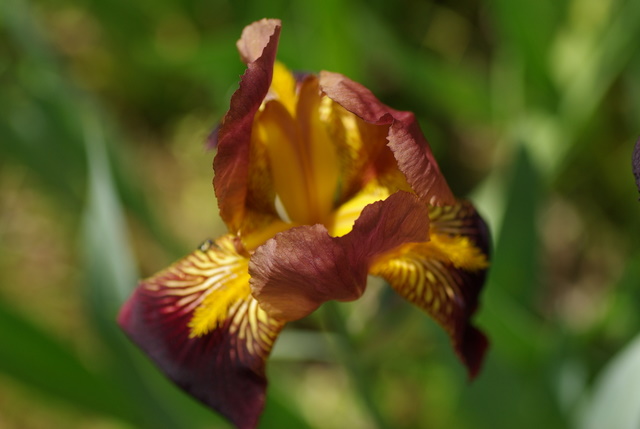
(256, 37)
(409, 146)
(199, 323)
(293, 273)
(257, 46)
(362, 153)
(444, 276)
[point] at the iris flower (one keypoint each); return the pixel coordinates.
(319, 184)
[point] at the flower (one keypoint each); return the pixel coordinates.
(319, 184)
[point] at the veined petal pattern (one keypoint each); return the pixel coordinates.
(199, 323)
(444, 276)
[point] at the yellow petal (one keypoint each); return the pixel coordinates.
(279, 133)
(345, 216)
(302, 157)
(283, 87)
(317, 149)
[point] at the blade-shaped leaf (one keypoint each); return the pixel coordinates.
(615, 400)
(110, 277)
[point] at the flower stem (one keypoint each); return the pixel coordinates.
(334, 322)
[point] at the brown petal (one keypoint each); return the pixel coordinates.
(293, 273)
(445, 276)
(257, 46)
(198, 322)
(409, 146)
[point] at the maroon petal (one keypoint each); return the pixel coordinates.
(445, 276)
(222, 363)
(409, 146)
(257, 47)
(293, 273)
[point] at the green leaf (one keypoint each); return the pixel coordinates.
(514, 267)
(35, 358)
(514, 21)
(513, 280)
(614, 402)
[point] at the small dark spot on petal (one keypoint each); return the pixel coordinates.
(206, 245)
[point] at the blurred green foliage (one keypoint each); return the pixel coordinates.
(532, 109)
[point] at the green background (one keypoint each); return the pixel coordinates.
(531, 108)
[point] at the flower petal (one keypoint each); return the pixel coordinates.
(362, 153)
(444, 276)
(257, 47)
(410, 149)
(293, 273)
(255, 37)
(301, 155)
(199, 323)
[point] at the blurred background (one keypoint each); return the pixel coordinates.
(532, 110)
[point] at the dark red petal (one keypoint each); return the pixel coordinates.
(224, 367)
(409, 146)
(257, 47)
(444, 287)
(293, 273)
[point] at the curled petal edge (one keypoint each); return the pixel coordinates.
(293, 273)
(257, 46)
(405, 139)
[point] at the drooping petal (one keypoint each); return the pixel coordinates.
(293, 273)
(257, 47)
(444, 276)
(198, 322)
(405, 139)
